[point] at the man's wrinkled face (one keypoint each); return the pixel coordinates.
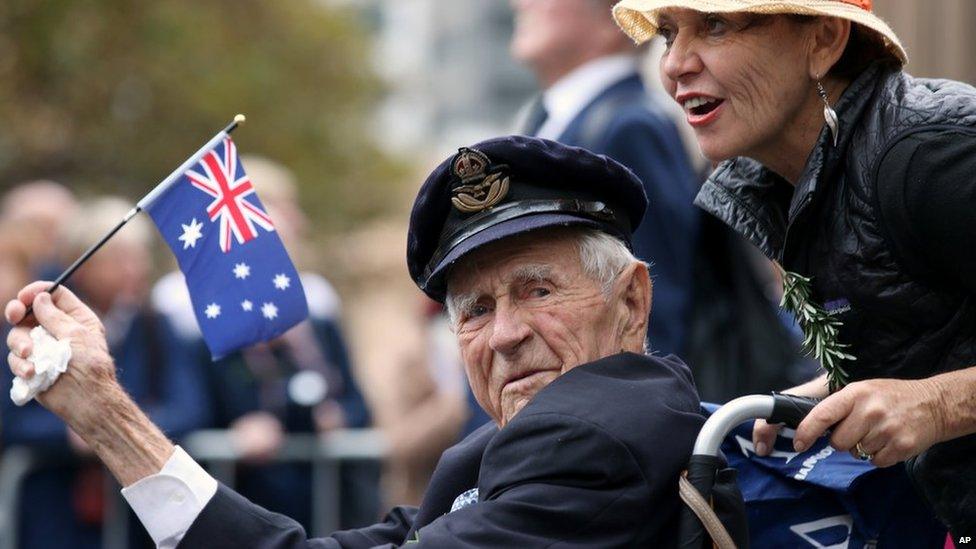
(526, 314)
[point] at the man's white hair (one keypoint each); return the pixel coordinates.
(602, 257)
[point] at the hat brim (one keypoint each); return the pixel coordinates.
(436, 284)
(637, 18)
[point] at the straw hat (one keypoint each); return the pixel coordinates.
(638, 18)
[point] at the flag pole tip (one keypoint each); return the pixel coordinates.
(239, 119)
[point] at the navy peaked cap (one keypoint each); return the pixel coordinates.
(508, 186)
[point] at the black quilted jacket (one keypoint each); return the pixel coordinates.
(831, 228)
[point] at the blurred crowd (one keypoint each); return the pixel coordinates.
(715, 304)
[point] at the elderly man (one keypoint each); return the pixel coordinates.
(526, 240)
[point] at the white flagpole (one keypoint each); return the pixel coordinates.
(146, 201)
(165, 184)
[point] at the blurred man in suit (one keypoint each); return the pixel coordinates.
(593, 97)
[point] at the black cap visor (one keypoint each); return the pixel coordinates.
(513, 219)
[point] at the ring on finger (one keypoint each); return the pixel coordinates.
(861, 454)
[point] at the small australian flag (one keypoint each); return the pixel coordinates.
(243, 285)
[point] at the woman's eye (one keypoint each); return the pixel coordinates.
(667, 33)
(715, 24)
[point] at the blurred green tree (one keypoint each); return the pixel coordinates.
(111, 95)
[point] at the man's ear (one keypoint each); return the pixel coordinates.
(634, 288)
(828, 41)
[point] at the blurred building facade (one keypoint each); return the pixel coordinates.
(449, 76)
(938, 35)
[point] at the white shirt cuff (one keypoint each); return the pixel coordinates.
(168, 502)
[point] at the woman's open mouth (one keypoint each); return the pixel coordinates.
(702, 110)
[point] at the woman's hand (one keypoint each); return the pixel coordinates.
(764, 434)
(889, 420)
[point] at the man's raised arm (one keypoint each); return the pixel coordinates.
(87, 396)
(164, 486)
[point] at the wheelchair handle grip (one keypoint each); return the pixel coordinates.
(774, 408)
(791, 409)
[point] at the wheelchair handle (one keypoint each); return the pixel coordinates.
(775, 408)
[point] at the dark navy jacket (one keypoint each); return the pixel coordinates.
(591, 461)
(837, 228)
(624, 123)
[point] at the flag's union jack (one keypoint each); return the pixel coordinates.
(224, 180)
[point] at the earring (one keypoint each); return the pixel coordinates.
(830, 115)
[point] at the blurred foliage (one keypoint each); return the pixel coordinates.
(112, 95)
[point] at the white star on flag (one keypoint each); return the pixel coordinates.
(191, 233)
(269, 311)
(212, 310)
(242, 270)
(247, 305)
(281, 281)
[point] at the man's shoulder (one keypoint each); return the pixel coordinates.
(623, 427)
(637, 400)
(625, 382)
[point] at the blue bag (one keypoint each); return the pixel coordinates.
(826, 499)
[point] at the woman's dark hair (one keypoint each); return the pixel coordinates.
(864, 47)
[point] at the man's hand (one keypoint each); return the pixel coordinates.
(258, 436)
(87, 396)
(329, 416)
(892, 420)
(64, 316)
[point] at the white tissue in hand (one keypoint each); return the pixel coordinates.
(50, 358)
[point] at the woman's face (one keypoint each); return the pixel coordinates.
(742, 81)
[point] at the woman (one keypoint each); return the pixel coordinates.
(853, 174)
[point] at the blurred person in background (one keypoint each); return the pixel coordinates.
(44, 206)
(593, 97)
(15, 269)
(64, 505)
(16, 249)
(710, 303)
(301, 382)
(435, 407)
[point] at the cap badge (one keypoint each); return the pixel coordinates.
(479, 190)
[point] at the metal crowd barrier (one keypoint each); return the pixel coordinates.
(214, 450)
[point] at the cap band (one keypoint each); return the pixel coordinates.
(863, 4)
(477, 223)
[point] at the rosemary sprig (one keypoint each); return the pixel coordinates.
(819, 329)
